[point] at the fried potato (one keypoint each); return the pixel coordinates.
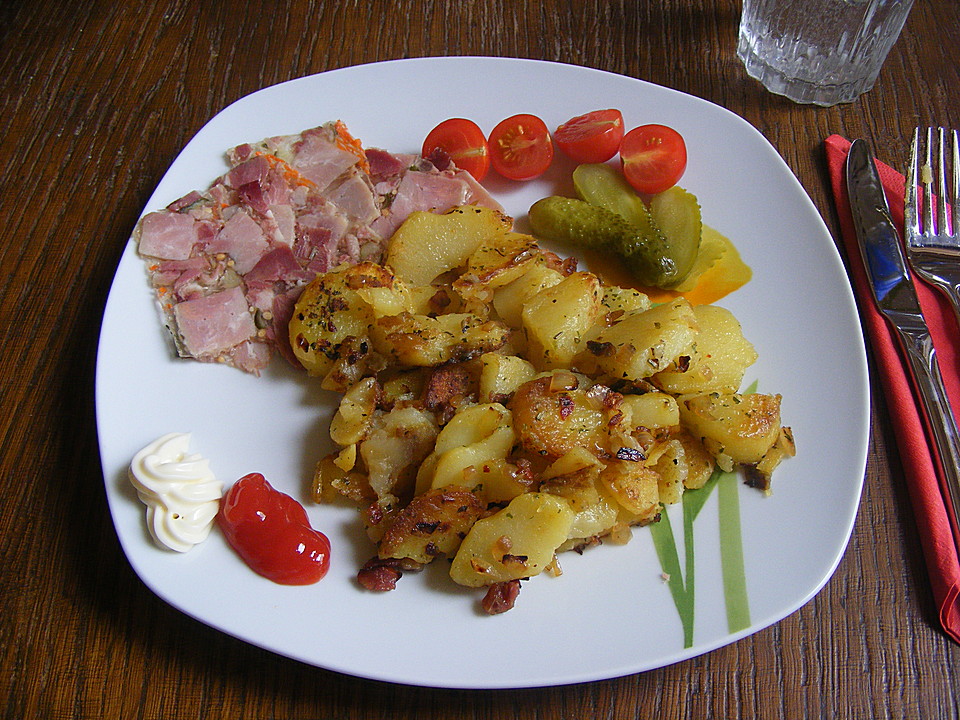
(739, 427)
(642, 343)
(335, 307)
(500, 407)
(723, 356)
(556, 319)
(517, 542)
(475, 436)
(431, 525)
(499, 260)
(501, 375)
(509, 300)
(552, 419)
(424, 341)
(428, 244)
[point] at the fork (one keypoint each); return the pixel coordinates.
(932, 218)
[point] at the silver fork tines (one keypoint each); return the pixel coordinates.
(932, 210)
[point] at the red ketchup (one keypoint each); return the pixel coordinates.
(271, 532)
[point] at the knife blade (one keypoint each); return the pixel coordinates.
(880, 246)
(896, 298)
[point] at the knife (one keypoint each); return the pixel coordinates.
(896, 298)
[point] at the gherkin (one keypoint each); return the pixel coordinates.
(577, 222)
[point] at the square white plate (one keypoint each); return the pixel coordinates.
(610, 613)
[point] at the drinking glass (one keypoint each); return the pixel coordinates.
(822, 52)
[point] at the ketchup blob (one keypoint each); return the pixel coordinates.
(271, 532)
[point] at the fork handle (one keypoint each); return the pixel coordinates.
(939, 416)
(949, 284)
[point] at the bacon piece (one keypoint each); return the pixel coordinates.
(211, 325)
(196, 276)
(277, 266)
(167, 235)
(421, 191)
(500, 597)
(253, 170)
(186, 201)
(445, 386)
(318, 157)
(429, 189)
(385, 165)
(354, 195)
(278, 332)
(285, 220)
(477, 194)
(251, 356)
(242, 239)
(381, 574)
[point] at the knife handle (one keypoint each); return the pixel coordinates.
(939, 415)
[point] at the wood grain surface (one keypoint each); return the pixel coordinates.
(96, 100)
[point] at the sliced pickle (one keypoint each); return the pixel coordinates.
(603, 185)
(673, 215)
(677, 213)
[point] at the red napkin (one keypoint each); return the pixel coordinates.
(916, 453)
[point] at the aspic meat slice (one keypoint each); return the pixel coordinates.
(289, 207)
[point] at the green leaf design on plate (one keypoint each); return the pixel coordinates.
(682, 582)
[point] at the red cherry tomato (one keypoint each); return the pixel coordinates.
(654, 158)
(464, 142)
(591, 138)
(271, 532)
(520, 147)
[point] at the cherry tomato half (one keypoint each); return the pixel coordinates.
(271, 532)
(653, 157)
(464, 142)
(520, 147)
(591, 138)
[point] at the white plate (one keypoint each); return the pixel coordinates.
(610, 613)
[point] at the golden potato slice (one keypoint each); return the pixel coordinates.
(552, 418)
(474, 436)
(557, 319)
(428, 244)
(740, 427)
(424, 341)
(394, 447)
(722, 357)
(573, 461)
(651, 410)
(499, 481)
(642, 343)
(509, 300)
(517, 542)
(499, 260)
(354, 415)
(333, 309)
(618, 301)
(700, 463)
(635, 487)
(431, 525)
(669, 460)
(577, 488)
(501, 375)
(331, 481)
(593, 520)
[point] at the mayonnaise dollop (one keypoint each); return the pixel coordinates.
(181, 493)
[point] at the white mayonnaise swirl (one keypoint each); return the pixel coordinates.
(181, 494)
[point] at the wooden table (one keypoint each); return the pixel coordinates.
(97, 99)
